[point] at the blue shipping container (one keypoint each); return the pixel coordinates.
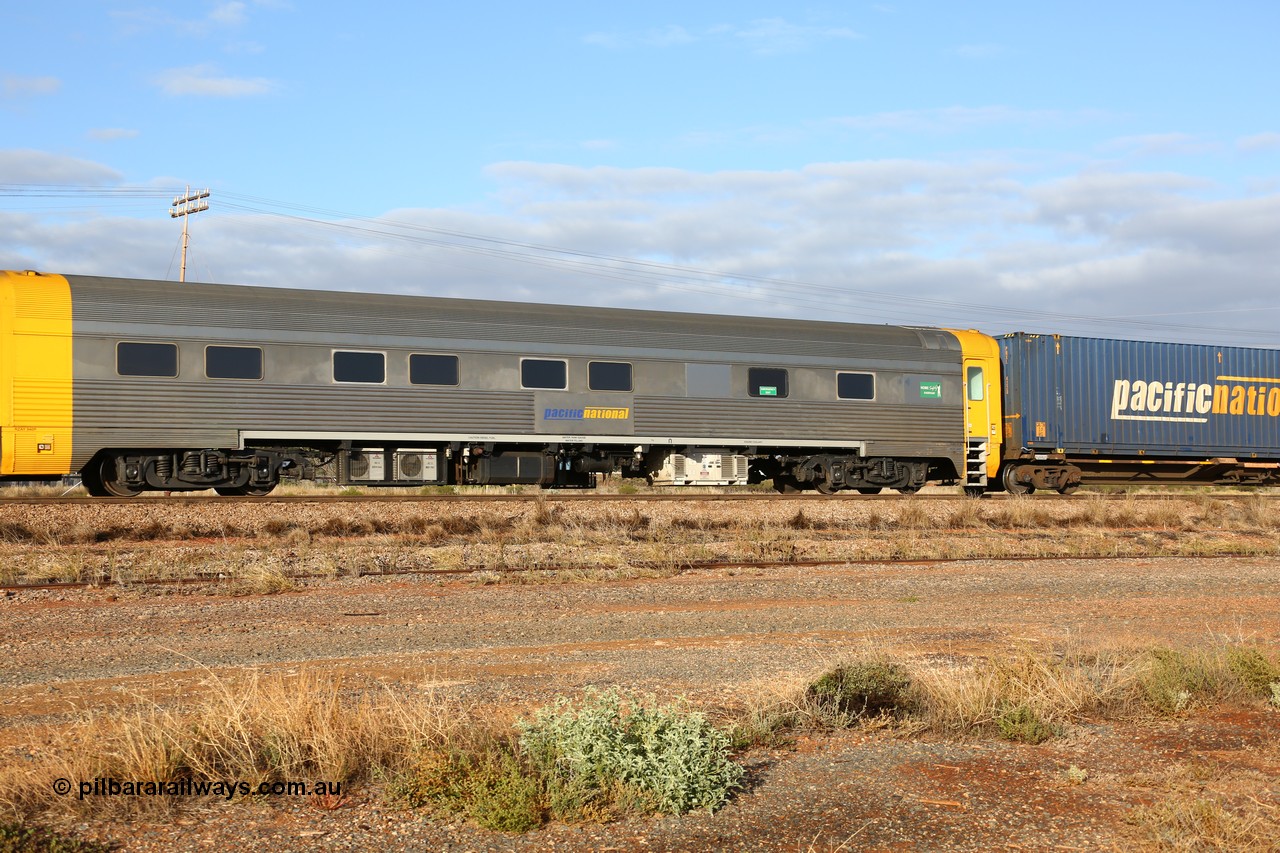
(1091, 396)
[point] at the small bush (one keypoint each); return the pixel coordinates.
(863, 688)
(1174, 680)
(483, 781)
(1255, 672)
(1021, 723)
(16, 838)
(666, 756)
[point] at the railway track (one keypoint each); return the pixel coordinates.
(563, 497)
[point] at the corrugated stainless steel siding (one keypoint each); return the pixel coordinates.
(150, 307)
(1062, 392)
(888, 429)
(125, 413)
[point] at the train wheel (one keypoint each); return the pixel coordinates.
(104, 473)
(825, 488)
(1069, 490)
(1012, 486)
(908, 490)
(869, 490)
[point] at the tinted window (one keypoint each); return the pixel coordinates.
(974, 381)
(543, 373)
(233, 362)
(433, 369)
(146, 359)
(767, 382)
(609, 376)
(856, 386)
(359, 367)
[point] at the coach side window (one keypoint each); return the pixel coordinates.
(856, 386)
(766, 382)
(138, 359)
(973, 379)
(233, 362)
(544, 373)
(351, 366)
(609, 376)
(433, 369)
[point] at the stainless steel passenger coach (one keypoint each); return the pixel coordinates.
(143, 385)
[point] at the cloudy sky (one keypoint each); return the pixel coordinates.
(1082, 167)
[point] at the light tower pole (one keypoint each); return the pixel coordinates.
(184, 206)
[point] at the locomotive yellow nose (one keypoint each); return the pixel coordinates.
(35, 375)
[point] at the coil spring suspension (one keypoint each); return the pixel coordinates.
(192, 463)
(164, 467)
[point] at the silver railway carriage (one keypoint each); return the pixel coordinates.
(145, 385)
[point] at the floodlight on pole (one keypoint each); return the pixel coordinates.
(184, 206)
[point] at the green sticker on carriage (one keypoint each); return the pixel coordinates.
(930, 390)
(768, 391)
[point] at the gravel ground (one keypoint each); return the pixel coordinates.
(713, 636)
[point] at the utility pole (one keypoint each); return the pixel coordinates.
(184, 206)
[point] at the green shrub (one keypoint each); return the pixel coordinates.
(16, 838)
(615, 748)
(863, 688)
(483, 781)
(1255, 672)
(1023, 724)
(1175, 679)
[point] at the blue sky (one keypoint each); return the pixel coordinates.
(1089, 168)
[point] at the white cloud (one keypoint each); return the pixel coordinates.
(764, 36)
(228, 14)
(1096, 202)
(669, 36)
(111, 134)
(978, 244)
(25, 87)
(24, 166)
(223, 16)
(954, 119)
(776, 35)
(1162, 145)
(204, 81)
(1259, 142)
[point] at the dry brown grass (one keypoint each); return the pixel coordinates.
(250, 728)
(1033, 694)
(1198, 806)
(38, 546)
